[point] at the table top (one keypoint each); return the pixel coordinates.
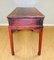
(25, 12)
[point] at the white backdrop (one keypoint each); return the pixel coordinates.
(25, 3)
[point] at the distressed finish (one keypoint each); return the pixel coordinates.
(25, 18)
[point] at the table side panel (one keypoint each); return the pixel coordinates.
(26, 22)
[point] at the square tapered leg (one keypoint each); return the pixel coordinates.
(40, 41)
(11, 41)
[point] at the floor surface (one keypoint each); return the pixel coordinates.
(26, 45)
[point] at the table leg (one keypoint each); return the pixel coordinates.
(11, 41)
(40, 41)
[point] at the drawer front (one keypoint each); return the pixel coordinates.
(26, 22)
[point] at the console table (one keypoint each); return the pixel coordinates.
(25, 18)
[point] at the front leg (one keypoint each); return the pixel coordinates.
(11, 40)
(40, 41)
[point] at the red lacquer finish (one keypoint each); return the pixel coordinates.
(40, 40)
(25, 19)
(11, 40)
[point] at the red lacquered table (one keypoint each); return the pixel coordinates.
(25, 18)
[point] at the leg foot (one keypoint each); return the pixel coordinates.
(39, 53)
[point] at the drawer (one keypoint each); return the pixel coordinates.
(25, 22)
